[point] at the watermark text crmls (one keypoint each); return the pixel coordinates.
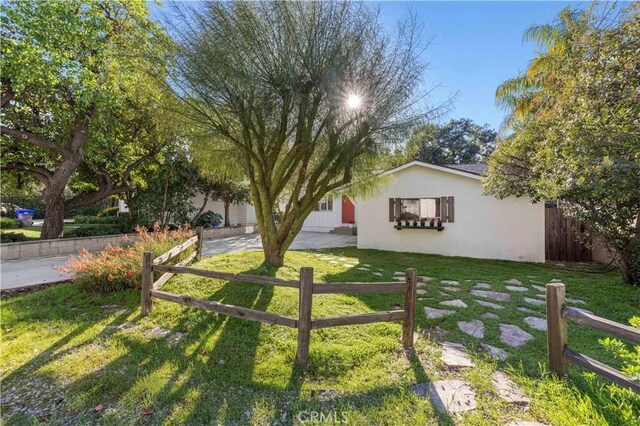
(322, 416)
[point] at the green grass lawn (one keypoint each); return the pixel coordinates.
(75, 358)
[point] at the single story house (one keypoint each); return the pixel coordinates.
(332, 214)
(472, 224)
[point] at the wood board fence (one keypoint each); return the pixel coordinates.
(305, 284)
(557, 338)
(561, 238)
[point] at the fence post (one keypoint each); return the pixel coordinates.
(304, 315)
(200, 234)
(409, 308)
(556, 329)
(146, 304)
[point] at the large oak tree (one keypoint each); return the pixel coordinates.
(81, 97)
(299, 97)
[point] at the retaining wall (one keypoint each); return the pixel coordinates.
(66, 246)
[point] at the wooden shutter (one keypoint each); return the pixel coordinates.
(443, 209)
(450, 210)
(392, 209)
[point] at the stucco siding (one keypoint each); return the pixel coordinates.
(324, 221)
(484, 226)
(238, 213)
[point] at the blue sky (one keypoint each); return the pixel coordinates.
(475, 47)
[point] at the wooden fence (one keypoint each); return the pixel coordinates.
(561, 238)
(557, 316)
(307, 288)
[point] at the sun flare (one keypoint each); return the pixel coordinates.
(354, 101)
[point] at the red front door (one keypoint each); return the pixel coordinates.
(348, 210)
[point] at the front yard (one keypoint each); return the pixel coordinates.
(70, 357)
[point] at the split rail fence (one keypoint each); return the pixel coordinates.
(557, 338)
(305, 284)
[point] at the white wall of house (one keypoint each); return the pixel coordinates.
(483, 227)
(238, 213)
(324, 221)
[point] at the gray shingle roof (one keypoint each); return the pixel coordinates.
(476, 168)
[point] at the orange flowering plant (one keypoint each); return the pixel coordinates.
(118, 266)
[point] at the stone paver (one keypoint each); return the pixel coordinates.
(556, 280)
(494, 352)
(422, 285)
(362, 269)
(527, 310)
(515, 288)
(398, 273)
(452, 396)
(539, 287)
(540, 296)
(425, 278)
(348, 265)
(489, 304)
(535, 301)
(490, 315)
(399, 278)
(378, 274)
(450, 282)
(474, 328)
(536, 323)
(513, 335)
(513, 281)
(454, 289)
(576, 301)
(495, 295)
(455, 355)
(433, 313)
(456, 303)
(421, 291)
(507, 389)
(482, 285)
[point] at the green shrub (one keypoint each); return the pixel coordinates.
(92, 231)
(24, 201)
(96, 220)
(207, 218)
(91, 210)
(7, 223)
(110, 211)
(630, 357)
(13, 237)
(117, 267)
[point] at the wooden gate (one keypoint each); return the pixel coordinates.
(561, 237)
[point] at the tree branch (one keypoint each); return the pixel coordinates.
(40, 172)
(24, 136)
(7, 95)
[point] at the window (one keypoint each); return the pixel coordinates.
(325, 205)
(416, 208)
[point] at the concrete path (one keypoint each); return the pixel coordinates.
(41, 270)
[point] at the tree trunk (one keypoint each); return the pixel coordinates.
(53, 226)
(630, 258)
(226, 213)
(197, 216)
(272, 251)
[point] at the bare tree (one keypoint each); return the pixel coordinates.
(300, 96)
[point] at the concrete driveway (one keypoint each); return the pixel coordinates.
(41, 270)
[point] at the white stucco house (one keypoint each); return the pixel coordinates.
(239, 214)
(473, 224)
(334, 214)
